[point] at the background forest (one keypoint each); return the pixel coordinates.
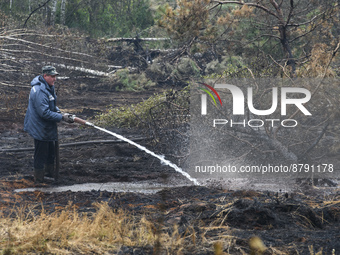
(283, 32)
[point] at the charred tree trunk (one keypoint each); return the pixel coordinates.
(287, 49)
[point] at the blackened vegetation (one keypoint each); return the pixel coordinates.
(290, 223)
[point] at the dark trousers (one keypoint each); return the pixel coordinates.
(43, 153)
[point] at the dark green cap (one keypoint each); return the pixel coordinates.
(49, 70)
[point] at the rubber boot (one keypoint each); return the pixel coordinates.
(38, 175)
(49, 170)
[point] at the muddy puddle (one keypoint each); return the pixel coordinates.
(137, 187)
(147, 187)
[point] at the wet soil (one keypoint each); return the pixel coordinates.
(287, 221)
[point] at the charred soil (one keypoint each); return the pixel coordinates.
(302, 221)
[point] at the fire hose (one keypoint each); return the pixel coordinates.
(80, 121)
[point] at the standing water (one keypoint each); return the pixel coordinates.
(161, 158)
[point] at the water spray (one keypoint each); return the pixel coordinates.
(160, 157)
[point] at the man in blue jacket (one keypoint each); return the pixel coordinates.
(41, 121)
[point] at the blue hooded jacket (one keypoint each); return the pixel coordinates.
(42, 112)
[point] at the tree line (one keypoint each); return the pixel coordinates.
(280, 32)
(98, 18)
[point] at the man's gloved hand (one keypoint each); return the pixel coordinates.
(67, 118)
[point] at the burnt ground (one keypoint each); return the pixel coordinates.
(300, 221)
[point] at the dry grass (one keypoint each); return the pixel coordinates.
(106, 231)
(103, 232)
(68, 232)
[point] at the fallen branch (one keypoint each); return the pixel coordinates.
(123, 39)
(11, 85)
(44, 46)
(82, 69)
(44, 54)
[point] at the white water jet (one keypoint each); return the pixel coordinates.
(161, 158)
